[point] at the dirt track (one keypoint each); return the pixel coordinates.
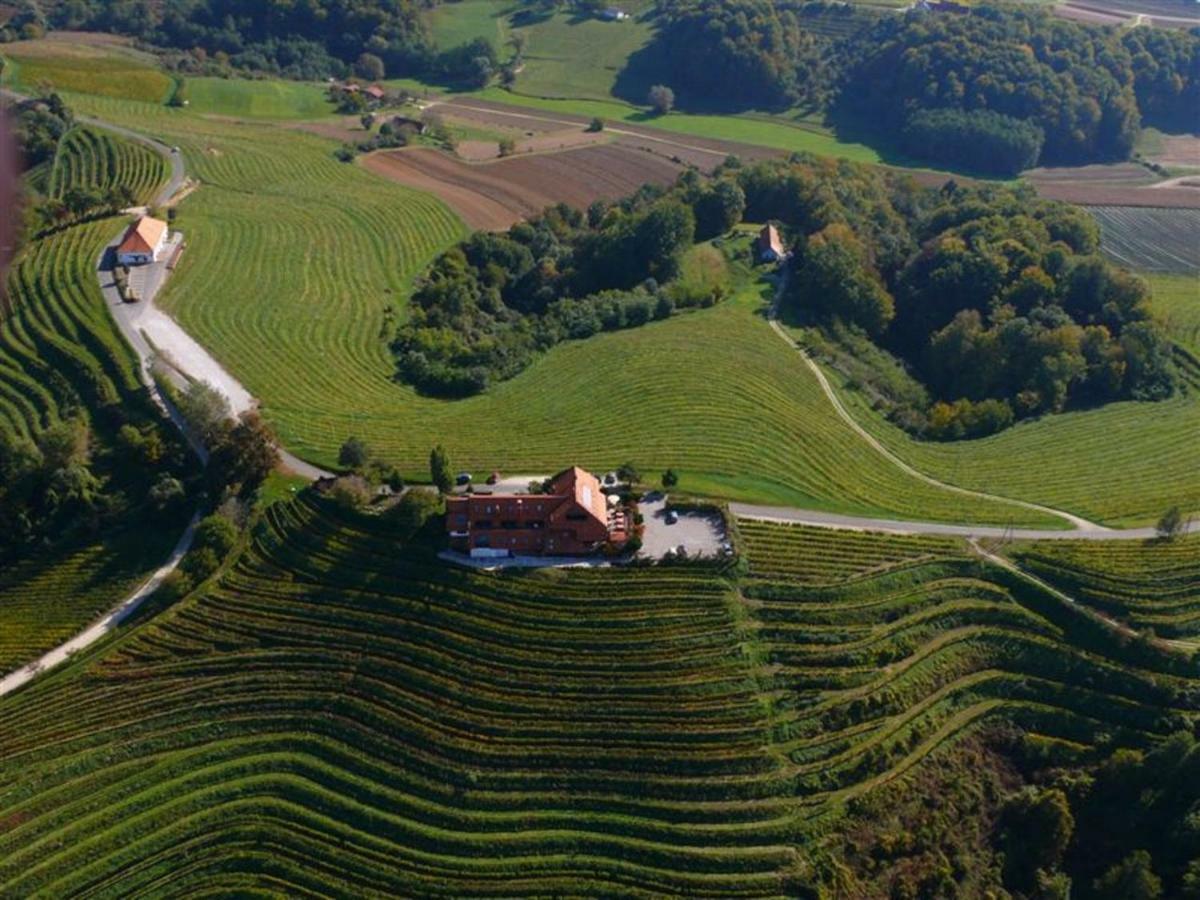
(495, 195)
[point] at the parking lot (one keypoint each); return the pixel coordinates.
(700, 534)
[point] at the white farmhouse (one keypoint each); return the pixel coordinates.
(143, 242)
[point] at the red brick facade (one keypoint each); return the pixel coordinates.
(571, 519)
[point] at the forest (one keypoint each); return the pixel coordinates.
(996, 90)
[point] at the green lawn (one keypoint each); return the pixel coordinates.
(101, 69)
(257, 99)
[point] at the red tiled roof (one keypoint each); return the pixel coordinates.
(143, 236)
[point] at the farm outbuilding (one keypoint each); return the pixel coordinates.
(770, 244)
(143, 242)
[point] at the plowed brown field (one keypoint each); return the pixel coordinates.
(495, 195)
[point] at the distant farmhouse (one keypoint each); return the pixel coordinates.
(573, 518)
(143, 242)
(613, 14)
(770, 245)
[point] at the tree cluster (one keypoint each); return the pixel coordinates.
(992, 89)
(69, 482)
(1125, 829)
(747, 52)
(303, 39)
(998, 301)
(489, 305)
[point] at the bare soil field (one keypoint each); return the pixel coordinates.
(498, 194)
(704, 153)
(543, 142)
(1178, 151)
(1120, 184)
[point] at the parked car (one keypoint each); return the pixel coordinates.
(672, 517)
(463, 478)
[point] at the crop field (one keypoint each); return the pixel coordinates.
(1151, 584)
(104, 69)
(344, 713)
(263, 99)
(98, 160)
(1125, 463)
(495, 195)
(60, 354)
(1151, 240)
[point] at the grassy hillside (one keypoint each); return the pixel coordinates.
(1122, 463)
(341, 714)
(102, 68)
(460, 23)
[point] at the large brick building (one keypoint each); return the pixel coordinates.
(573, 518)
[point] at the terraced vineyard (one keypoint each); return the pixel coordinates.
(825, 556)
(90, 158)
(344, 715)
(60, 355)
(1151, 584)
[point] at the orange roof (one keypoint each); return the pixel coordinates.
(375, 91)
(584, 487)
(769, 239)
(143, 236)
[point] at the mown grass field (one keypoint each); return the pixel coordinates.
(1149, 584)
(104, 69)
(92, 158)
(342, 714)
(262, 99)
(580, 57)
(459, 23)
(1124, 463)
(60, 355)
(295, 260)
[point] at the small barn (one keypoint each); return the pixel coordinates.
(143, 242)
(613, 14)
(375, 92)
(770, 245)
